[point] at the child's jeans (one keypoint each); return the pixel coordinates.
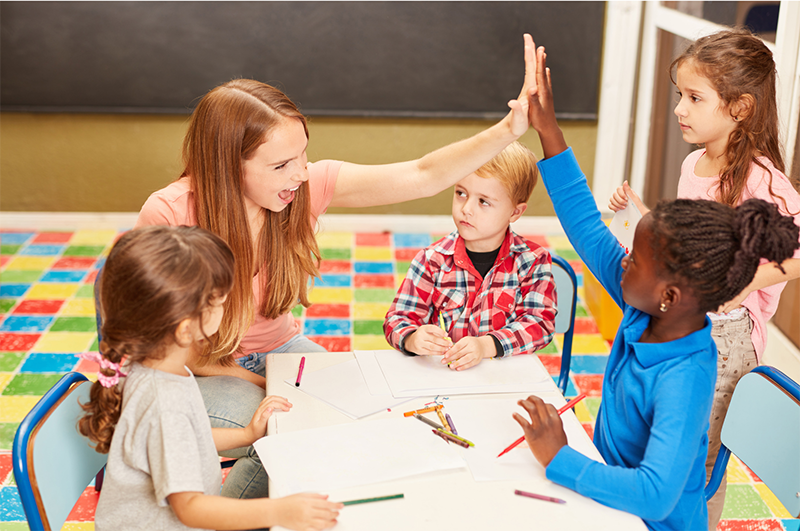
(735, 358)
(230, 403)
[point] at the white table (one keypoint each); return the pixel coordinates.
(445, 500)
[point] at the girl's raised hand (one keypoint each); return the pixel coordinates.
(258, 424)
(545, 432)
(428, 340)
(307, 512)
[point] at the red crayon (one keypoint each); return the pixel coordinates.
(569, 405)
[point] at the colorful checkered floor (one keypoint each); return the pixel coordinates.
(47, 319)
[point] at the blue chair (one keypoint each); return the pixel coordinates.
(762, 428)
(567, 287)
(53, 462)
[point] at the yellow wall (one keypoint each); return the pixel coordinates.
(111, 163)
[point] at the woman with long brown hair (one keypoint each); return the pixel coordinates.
(247, 179)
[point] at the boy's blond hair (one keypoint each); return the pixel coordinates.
(515, 167)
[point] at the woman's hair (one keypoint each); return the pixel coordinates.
(154, 278)
(226, 128)
(738, 64)
(515, 167)
(715, 249)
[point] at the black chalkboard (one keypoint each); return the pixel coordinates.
(416, 59)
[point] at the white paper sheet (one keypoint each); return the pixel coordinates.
(371, 372)
(623, 225)
(353, 454)
(488, 423)
(343, 387)
(426, 376)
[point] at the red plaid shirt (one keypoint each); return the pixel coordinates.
(515, 303)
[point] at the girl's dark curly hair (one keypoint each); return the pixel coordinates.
(154, 278)
(717, 249)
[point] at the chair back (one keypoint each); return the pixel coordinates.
(53, 462)
(567, 288)
(762, 428)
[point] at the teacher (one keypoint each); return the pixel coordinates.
(247, 179)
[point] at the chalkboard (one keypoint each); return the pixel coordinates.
(395, 59)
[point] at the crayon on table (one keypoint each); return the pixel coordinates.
(377, 499)
(538, 496)
(427, 421)
(300, 371)
(450, 438)
(423, 410)
(460, 438)
(450, 423)
(569, 405)
(443, 420)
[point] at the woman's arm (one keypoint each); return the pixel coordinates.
(365, 185)
(225, 370)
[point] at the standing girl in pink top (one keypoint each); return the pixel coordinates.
(726, 84)
(247, 179)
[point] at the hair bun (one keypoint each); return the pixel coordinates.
(764, 232)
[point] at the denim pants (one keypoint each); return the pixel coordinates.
(230, 403)
(736, 356)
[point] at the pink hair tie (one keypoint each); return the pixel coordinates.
(105, 363)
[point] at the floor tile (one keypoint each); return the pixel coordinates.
(743, 501)
(386, 268)
(588, 364)
(65, 341)
(328, 310)
(373, 281)
(334, 254)
(79, 308)
(331, 240)
(39, 306)
(85, 506)
(30, 263)
(74, 324)
(41, 250)
(370, 310)
(374, 295)
(333, 281)
(330, 295)
(13, 289)
(334, 343)
(10, 341)
(94, 237)
(405, 256)
(53, 237)
(53, 290)
(74, 262)
(15, 237)
(373, 239)
(8, 250)
(14, 408)
(30, 384)
(414, 241)
(68, 275)
(9, 361)
(84, 250)
(772, 502)
(21, 276)
(374, 328)
(10, 505)
(26, 323)
(373, 254)
(6, 305)
(335, 266)
(85, 291)
(40, 362)
(7, 432)
(377, 342)
(327, 327)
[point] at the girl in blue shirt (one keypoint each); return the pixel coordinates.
(688, 257)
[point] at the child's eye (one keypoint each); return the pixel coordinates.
(695, 99)
(460, 193)
(281, 166)
(485, 203)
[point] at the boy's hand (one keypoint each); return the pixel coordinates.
(619, 200)
(427, 340)
(307, 511)
(544, 433)
(469, 351)
(258, 424)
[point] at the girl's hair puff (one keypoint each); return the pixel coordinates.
(716, 249)
(738, 64)
(226, 128)
(154, 278)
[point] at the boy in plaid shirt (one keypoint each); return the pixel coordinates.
(492, 288)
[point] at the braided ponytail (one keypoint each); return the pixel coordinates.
(716, 249)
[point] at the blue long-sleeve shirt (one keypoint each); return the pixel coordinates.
(652, 423)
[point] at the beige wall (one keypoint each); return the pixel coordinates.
(111, 163)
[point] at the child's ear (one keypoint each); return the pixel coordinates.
(183, 333)
(670, 297)
(743, 107)
(518, 211)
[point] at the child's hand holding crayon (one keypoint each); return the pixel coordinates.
(428, 340)
(469, 351)
(545, 432)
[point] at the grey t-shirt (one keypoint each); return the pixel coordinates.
(161, 445)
